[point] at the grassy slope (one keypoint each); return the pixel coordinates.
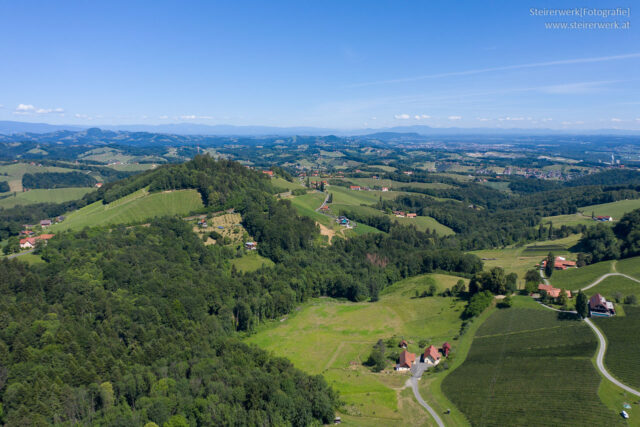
(521, 259)
(326, 335)
(251, 262)
(630, 266)
(283, 183)
(16, 170)
(136, 207)
(57, 195)
(370, 182)
(614, 209)
(577, 278)
(527, 367)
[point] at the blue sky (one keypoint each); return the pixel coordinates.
(339, 64)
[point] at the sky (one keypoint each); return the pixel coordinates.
(333, 64)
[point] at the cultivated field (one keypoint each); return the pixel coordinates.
(284, 184)
(611, 285)
(56, 195)
(370, 182)
(577, 278)
(136, 207)
(227, 225)
(623, 352)
(333, 338)
(527, 367)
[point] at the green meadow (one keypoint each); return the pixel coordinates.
(334, 338)
(614, 209)
(251, 262)
(12, 173)
(56, 195)
(577, 278)
(136, 207)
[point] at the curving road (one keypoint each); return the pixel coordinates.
(602, 348)
(20, 254)
(414, 386)
(604, 276)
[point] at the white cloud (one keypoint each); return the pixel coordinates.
(483, 119)
(25, 107)
(82, 116)
(548, 119)
(616, 120)
(513, 119)
(422, 116)
(49, 110)
(163, 117)
(195, 117)
(638, 119)
(455, 117)
(402, 116)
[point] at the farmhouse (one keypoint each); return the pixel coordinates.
(406, 361)
(28, 243)
(45, 223)
(355, 187)
(385, 189)
(269, 173)
(252, 246)
(399, 214)
(431, 355)
(411, 215)
(561, 263)
(403, 344)
(604, 218)
(599, 306)
(324, 208)
(551, 291)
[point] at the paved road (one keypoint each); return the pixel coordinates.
(20, 254)
(602, 348)
(414, 386)
(601, 278)
(326, 199)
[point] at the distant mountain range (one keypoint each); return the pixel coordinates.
(12, 127)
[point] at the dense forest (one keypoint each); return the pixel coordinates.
(57, 180)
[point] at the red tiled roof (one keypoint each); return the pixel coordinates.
(432, 352)
(407, 359)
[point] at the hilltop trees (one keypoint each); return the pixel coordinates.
(549, 265)
(601, 243)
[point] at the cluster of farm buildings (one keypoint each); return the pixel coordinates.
(430, 357)
(30, 238)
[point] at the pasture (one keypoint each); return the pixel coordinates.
(519, 259)
(630, 266)
(528, 367)
(372, 183)
(614, 284)
(622, 358)
(571, 219)
(286, 185)
(12, 173)
(333, 338)
(134, 208)
(614, 209)
(252, 261)
(56, 195)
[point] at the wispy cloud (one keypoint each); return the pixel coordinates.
(402, 116)
(616, 120)
(455, 117)
(25, 109)
(422, 116)
(502, 68)
(195, 117)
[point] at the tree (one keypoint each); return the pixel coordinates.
(458, 288)
(549, 265)
(432, 290)
(377, 359)
(512, 282)
(582, 260)
(532, 276)
(601, 243)
(582, 305)
(631, 299)
(563, 298)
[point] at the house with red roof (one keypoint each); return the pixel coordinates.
(551, 291)
(355, 187)
(431, 355)
(599, 306)
(561, 263)
(28, 243)
(411, 215)
(406, 361)
(403, 344)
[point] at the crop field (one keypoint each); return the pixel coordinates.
(136, 207)
(571, 219)
(623, 352)
(527, 367)
(132, 167)
(56, 195)
(630, 266)
(227, 225)
(251, 262)
(350, 197)
(333, 338)
(609, 286)
(577, 278)
(614, 209)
